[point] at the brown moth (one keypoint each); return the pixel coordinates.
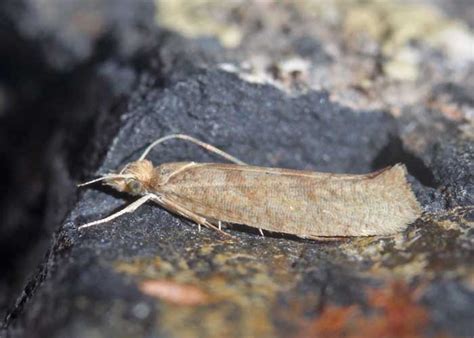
(303, 203)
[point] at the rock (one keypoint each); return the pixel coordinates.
(227, 112)
(152, 273)
(452, 161)
(65, 66)
(93, 277)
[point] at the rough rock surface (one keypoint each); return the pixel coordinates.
(65, 68)
(153, 274)
(251, 283)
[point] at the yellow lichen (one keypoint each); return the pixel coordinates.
(234, 287)
(199, 18)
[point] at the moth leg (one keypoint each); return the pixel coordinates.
(173, 206)
(220, 225)
(130, 208)
(160, 201)
(261, 232)
(207, 146)
(323, 238)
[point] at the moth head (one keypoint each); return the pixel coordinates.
(128, 184)
(136, 178)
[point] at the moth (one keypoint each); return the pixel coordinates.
(307, 204)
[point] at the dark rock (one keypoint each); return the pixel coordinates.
(65, 68)
(232, 114)
(92, 277)
(92, 281)
(452, 162)
(304, 132)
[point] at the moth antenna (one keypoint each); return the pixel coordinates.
(101, 179)
(177, 171)
(124, 168)
(191, 139)
(92, 181)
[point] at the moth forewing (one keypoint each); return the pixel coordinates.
(302, 203)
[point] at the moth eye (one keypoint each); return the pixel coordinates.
(135, 186)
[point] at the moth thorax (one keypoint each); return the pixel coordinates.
(166, 171)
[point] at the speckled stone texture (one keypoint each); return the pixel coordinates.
(65, 68)
(92, 277)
